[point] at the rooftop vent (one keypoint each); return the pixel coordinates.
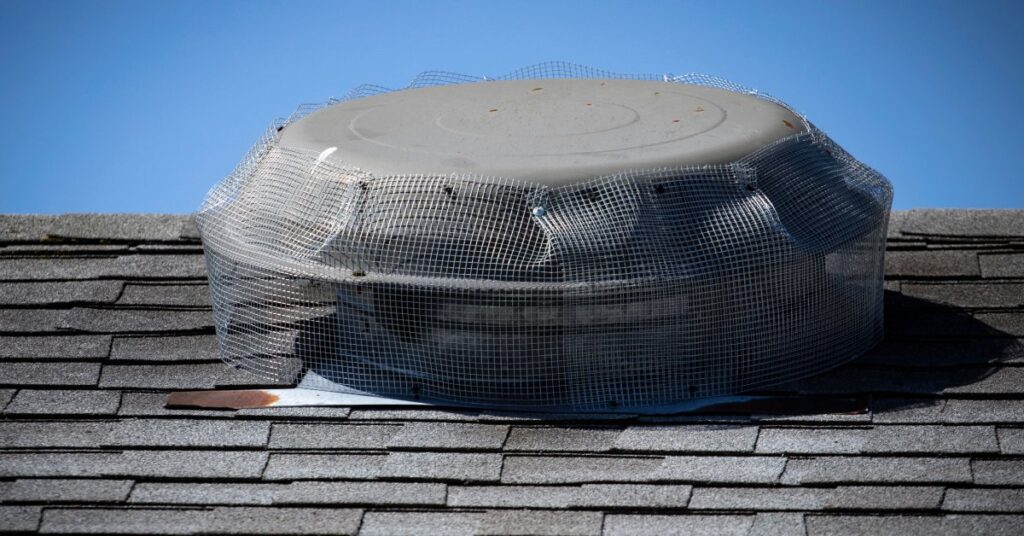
(559, 238)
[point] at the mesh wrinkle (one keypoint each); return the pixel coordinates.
(638, 289)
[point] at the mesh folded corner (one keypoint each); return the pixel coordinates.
(638, 289)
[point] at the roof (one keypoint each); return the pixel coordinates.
(102, 315)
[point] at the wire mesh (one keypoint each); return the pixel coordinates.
(640, 288)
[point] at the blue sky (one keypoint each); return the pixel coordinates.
(142, 106)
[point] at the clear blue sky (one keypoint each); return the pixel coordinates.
(142, 106)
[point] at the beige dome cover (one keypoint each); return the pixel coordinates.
(552, 131)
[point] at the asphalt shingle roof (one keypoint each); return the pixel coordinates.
(101, 315)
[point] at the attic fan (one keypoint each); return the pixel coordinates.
(559, 238)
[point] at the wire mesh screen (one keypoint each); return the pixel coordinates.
(636, 289)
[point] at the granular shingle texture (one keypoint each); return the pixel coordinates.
(100, 316)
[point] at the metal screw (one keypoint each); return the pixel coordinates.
(539, 211)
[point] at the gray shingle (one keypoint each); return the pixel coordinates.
(418, 523)
(694, 438)
(678, 525)
(540, 523)
(896, 219)
(304, 492)
(723, 469)
(561, 439)
(908, 525)
(998, 472)
(1011, 440)
(984, 500)
(20, 518)
(51, 490)
(332, 436)
(632, 496)
(251, 520)
(47, 249)
(188, 433)
(932, 263)
(884, 498)
(983, 411)
(964, 222)
(31, 320)
(874, 469)
(64, 402)
(579, 469)
(1003, 380)
(122, 267)
(454, 466)
(968, 294)
(778, 524)
(156, 266)
(1002, 265)
(60, 292)
(380, 493)
(512, 496)
(5, 397)
(811, 440)
(889, 438)
(175, 295)
(121, 227)
(54, 374)
(134, 320)
(1004, 323)
(190, 376)
(906, 411)
(585, 496)
(201, 494)
(174, 348)
(716, 469)
(758, 498)
(190, 464)
(61, 347)
(450, 435)
(137, 463)
(57, 464)
(189, 230)
(323, 466)
(53, 434)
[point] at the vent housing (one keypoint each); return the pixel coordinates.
(559, 238)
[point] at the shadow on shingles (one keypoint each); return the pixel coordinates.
(930, 349)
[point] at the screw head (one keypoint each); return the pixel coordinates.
(539, 211)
